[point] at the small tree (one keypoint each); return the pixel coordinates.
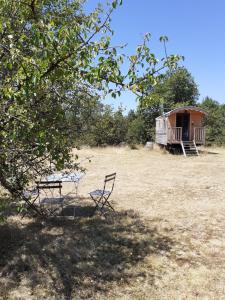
(136, 131)
(176, 88)
(214, 121)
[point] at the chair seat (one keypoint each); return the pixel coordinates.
(27, 194)
(52, 201)
(99, 193)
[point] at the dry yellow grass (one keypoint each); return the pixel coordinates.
(166, 240)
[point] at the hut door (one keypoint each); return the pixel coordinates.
(183, 120)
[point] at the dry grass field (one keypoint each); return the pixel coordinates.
(166, 239)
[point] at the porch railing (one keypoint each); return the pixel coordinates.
(175, 134)
(199, 135)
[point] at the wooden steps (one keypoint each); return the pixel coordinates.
(189, 148)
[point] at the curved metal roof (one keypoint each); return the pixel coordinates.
(181, 109)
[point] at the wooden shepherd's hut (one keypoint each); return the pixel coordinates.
(181, 126)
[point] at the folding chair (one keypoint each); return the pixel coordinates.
(101, 197)
(30, 196)
(51, 200)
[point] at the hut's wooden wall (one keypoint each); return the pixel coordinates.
(172, 121)
(161, 131)
(196, 118)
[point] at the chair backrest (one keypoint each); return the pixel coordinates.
(109, 182)
(50, 185)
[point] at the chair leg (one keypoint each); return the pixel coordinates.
(74, 212)
(101, 202)
(30, 204)
(76, 189)
(97, 202)
(106, 203)
(62, 209)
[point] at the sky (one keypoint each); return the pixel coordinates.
(195, 28)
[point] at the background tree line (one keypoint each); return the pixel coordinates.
(96, 124)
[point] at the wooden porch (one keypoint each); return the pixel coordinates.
(196, 134)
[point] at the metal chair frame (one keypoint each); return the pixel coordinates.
(101, 197)
(30, 196)
(50, 186)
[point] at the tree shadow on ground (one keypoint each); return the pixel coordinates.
(78, 211)
(76, 259)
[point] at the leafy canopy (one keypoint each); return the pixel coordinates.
(214, 121)
(177, 88)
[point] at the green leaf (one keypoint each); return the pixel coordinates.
(114, 4)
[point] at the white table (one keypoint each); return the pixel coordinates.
(67, 177)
